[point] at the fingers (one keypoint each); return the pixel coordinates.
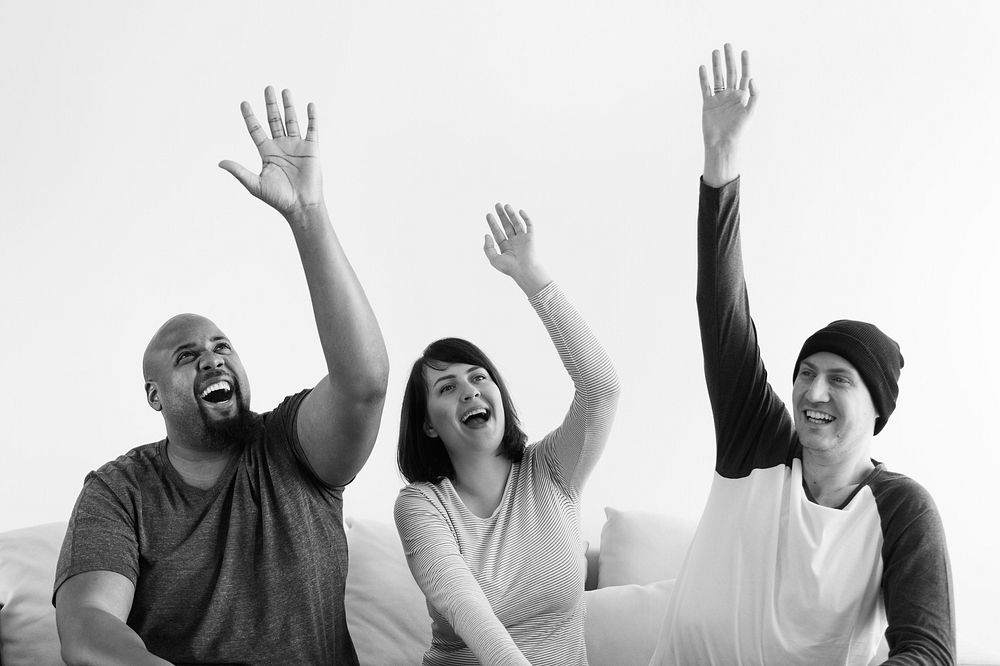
(515, 221)
(249, 179)
(754, 95)
(273, 113)
(495, 228)
(257, 133)
(312, 131)
(731, 74)
(719, 83)
(745, 70)
(706, 85)
(508, 227)
(291, 120)
(528, 226)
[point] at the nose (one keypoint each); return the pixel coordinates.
(210, 360)
(818, 390)
(470, 392)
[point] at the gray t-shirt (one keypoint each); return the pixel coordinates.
(250, 571)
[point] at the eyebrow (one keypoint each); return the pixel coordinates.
(441, 379)
(839, 370)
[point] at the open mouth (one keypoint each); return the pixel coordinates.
(476, 417)
(819, 418)
(217, 392)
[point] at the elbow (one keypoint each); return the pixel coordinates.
(369, 387)
(73, 647)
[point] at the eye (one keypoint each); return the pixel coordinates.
(805, 372)
(480, 377)
(446, 388)
(185, 356)
(223, 346)
(841, 380)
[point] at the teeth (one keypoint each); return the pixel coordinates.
(469, 414)
(217, 386)
(818, 416)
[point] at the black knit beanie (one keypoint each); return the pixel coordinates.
(873, 354)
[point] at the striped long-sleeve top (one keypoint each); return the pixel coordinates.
(508, 589)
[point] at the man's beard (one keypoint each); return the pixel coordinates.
(219, 435)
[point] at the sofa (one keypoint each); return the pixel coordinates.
(630, 578)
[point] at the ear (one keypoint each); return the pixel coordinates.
(153, 396)
(429, 430)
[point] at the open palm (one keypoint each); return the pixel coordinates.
(290, 176)
(729, 102)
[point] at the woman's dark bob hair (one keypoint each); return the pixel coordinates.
(424, 458)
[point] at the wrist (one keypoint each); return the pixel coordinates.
(532, 280)
(721, 164)
(306, 215)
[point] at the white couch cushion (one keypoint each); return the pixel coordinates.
(639, 547)
(386, 611)
(27, 619)
(623, 622)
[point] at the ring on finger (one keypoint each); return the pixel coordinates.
(718, 90)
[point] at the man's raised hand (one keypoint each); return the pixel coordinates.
(290, 179)
(728, 100)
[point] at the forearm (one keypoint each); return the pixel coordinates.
(721, 165)
(352, 342)
(445, 578)
(93, 636)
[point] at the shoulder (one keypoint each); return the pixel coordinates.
(906, 509)
(897, 492)
(421, 510)
(286, 410)
(129, 468)
(419, 494)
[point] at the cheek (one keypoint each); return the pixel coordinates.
(436, 408)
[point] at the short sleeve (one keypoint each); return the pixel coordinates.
(101, 535)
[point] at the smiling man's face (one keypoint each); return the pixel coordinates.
(196, 380)
(833, 409)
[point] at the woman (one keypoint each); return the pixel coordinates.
(490, 527)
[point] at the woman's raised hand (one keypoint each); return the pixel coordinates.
(511, 248)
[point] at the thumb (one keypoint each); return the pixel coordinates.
(490, 249)
(248, 178)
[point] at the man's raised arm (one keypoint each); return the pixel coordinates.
(339, 420)
(746, 411)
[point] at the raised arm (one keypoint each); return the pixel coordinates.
(748, 414)
(91, 611)
(339, 420)
(446, 580)
(574, 447)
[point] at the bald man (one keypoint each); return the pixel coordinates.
(224, 542)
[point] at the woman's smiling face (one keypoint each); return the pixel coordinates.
(464, 408)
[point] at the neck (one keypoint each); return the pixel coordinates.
(480, 482)
(198, 466)
(831, 480)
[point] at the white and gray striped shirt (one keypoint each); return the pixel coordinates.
(508, 589)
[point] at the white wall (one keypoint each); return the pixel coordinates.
(869, 192)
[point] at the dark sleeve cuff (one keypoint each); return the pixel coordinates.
(728, 190)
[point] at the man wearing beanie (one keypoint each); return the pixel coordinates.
(808, 551)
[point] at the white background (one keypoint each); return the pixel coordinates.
(869, 192)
